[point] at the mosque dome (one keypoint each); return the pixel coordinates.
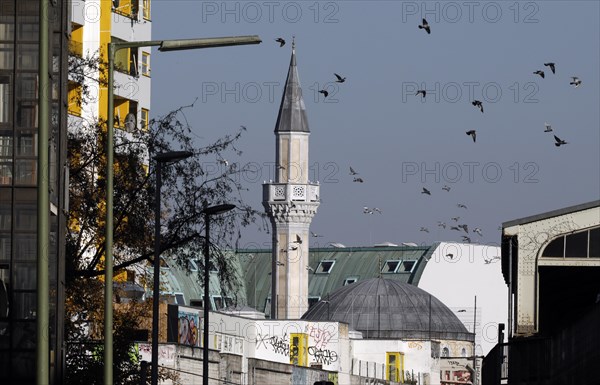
(390, 309)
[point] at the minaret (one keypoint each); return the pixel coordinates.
(290, 202)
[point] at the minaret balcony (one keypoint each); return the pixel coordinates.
(291, 192)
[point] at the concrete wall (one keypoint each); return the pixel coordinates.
(473, 270)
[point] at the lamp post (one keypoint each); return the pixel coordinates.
(165, 157)
(164, 45)
(208, 212)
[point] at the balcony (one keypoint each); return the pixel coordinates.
(273, 192)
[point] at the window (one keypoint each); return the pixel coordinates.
(5, 97)
(76, 42)
(556, 248)
(350, 280)
(74, 98)
(394, 366)
(128, 8)
(406, 266)
(179, 299)
(146, 10)
(390, 266)
(582, 244)
(312, 301)
(463, 352)
(576, 245)
(126, 59)
(123, 107)
(445, 352)
(324, 267)
(298, 346)
(146, 63)
(144, 116)
(196, 302)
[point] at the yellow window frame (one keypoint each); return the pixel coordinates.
(121, 111)
(394, 366)
(76, 41)
(146, 10)
(298, 349)
(146, 63)
(144, 118)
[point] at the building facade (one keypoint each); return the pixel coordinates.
(19, 109)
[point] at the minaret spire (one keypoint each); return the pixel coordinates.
(290, 202)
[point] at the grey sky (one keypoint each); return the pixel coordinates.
(374, 122)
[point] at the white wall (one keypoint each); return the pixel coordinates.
(456, 281)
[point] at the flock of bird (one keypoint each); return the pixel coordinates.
(575, 81)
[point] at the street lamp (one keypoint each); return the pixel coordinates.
(164, 45)
(208, 212)
(164, 157)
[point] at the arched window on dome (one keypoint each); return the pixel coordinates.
(445, 352)
(463, 352)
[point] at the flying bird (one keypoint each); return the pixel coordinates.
(425, 229)
(446, 188)
(425, 191)
(315, 234)
(575, 82)
(377, 209)
(477, 230)
(352, 171)
(472, 134)
(367, 210)
(339, 78)
(462, 311)
(298, 239)
(461, 206)
(559, 141)
(478, 104)
(425, 26)
(466, 239)
(450, 255)
(280, 41)
(422, 92)
(441, 224)
(465, 228)
(541, 73)
(244, 128)
(454, 228)
(324, 92)
(552, 67)
(548, 127)
(358, 180)
(455, 219)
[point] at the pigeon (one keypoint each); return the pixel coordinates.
(552, 67)
(466, 239)
(293, 247)
(298, 239)
(367, 210)
(450, 255)
(422, 92)
(541, 73)
(425, 229)
(454, 228)
(244, 128)
(280, 167)
(425, 191)
(324, 92)
(446, 188)
(352, 172)
(425, 26)
(559, 141)
(315, 234)
(377, 209)
(280, 41)
(455, 219)
(358, 180)
(461, 206)
(575, 82)
(478, 104)
(548, 127)
(465, 228)
(441, 224)
(473, 134)
(462, 311)
(477, 230)
(339, 78)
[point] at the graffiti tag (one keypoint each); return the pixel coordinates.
(322, 356)
(320, 336)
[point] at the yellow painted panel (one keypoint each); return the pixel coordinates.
(298, 349)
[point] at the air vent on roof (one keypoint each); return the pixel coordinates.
(385, 244)
(411, 244)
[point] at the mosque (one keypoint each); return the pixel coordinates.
(382, 314)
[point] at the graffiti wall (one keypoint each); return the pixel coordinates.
(188, 326)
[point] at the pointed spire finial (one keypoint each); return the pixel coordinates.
(293, 43)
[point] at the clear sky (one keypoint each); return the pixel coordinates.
(373, 122)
